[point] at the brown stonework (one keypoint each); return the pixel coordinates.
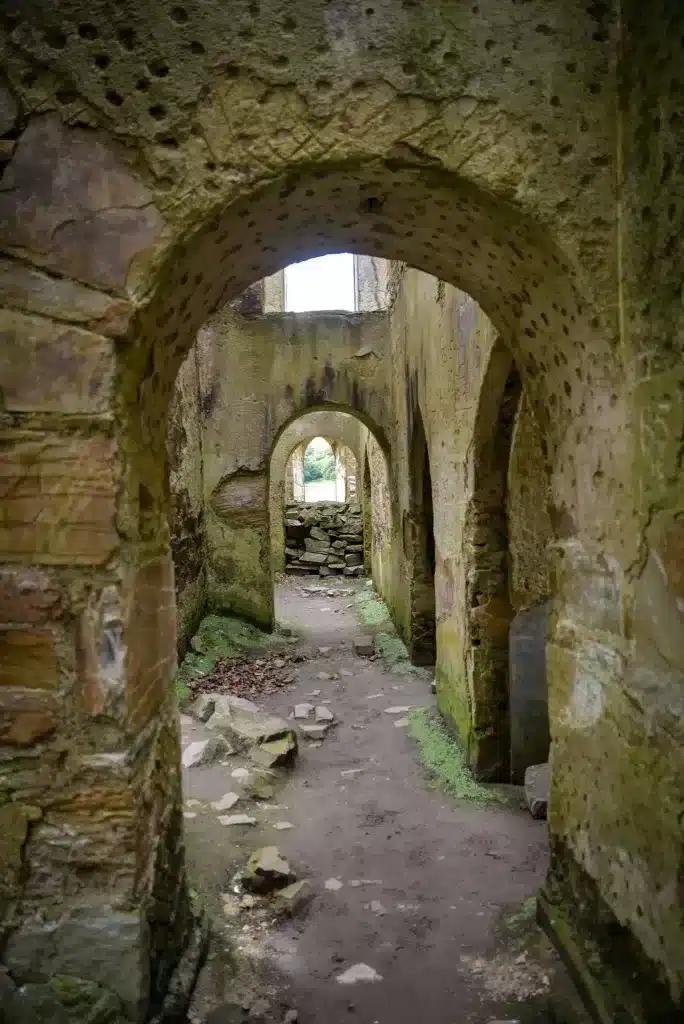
(58, 498)
(29, 596)
(27, 716)
(150, 638)
(27, 660)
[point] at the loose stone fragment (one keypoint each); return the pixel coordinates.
(324, 714)
(266, 871)
(303, 711)
(314, 732)
(398, 710)
(537, 783)
(203, 752)
(333, 884)
(276, 753)
(364, 647)
(237, 819)
(358, 973)
(293, 898)
(227, 801)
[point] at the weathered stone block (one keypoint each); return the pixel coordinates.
(59, 499)
(352, 559)
(32, 291)
(68, 202)
(29, 596)
(149, 637)
(27, 716)
(27, 660)
(14, 825)
(317, 534)
(316, 545)
(53, 367)
(313, 558)
(109, 949)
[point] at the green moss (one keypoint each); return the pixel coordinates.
(443, 758)
(372, 610)
(522, 915)
(393, 649)
(219, 636)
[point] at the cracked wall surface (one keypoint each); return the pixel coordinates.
(159, 159)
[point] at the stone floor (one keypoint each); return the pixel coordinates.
(420, 904)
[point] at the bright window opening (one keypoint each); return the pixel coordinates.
(326, 282)
(320, 471)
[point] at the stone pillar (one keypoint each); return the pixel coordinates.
(92, 878)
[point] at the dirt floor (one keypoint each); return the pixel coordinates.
(431, 893)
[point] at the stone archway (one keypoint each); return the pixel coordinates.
(332, 422)
(141, 198)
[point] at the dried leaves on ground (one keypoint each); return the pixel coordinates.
(247, 676)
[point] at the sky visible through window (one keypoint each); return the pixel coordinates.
(326, 282)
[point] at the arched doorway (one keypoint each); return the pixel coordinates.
(423, 612)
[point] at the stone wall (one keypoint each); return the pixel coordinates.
(324, 538)
(258, 375)
(184, 447)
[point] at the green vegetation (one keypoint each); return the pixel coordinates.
(393, 650)
(372, 609)
(444, 759)
(319, 464)
(219, 636)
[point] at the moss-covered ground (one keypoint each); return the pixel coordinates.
(220, 636)
(445, 761)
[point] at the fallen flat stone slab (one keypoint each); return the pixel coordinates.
(398, 710)
(303, 711)
(227, 801)
(203, 752)
(324, 714)
(314, 558)
(244, 724)
(237, 819)
(537, 783)
(203, 707)
(314, 732)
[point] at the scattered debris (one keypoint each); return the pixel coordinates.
(237, 819)
(333, 884)
(203, 752)
(267, 871)
(358, 973)
(324, 714)
(227, 801)
(377, 908)
(402, 723)
(303, 711)
(399, 710)
(242, 774)
(314, 732)
(283, 826)
(351, 771)
(357, 882)
(323, 675)
(245, 676)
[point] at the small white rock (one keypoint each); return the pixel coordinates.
(189, 814)
(227, 801)
(324, 650)
(323, 675)
(303, 711)
(240, 773)
(345, 672)
(358, 973)
(237, 819)
(377, 908)
(324, 714)
(399, 710)
(333, 884)
(401, 723)
(283, 826)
